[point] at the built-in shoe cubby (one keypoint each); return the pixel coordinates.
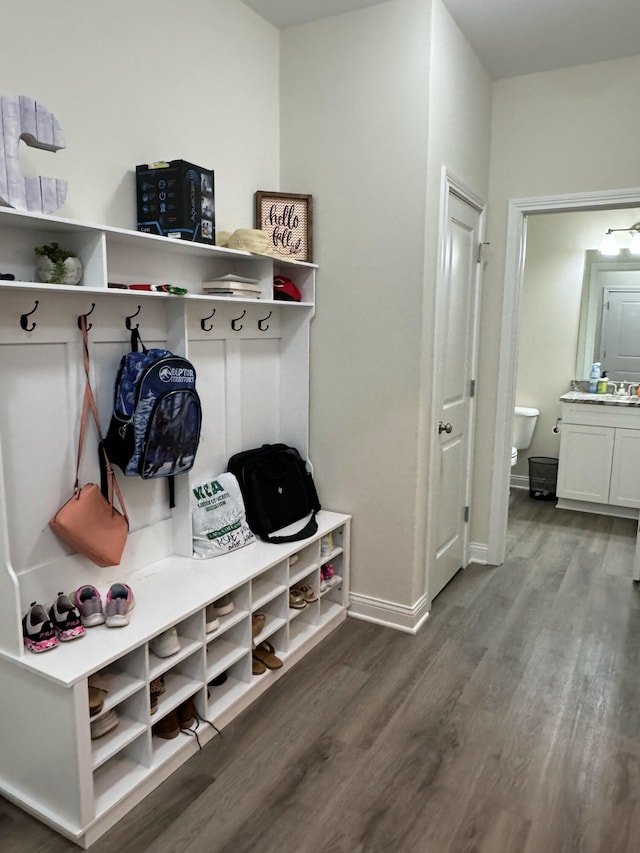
(117, 778)
(269, 585)
(222, 697)
(130, 721)
(251, 357)
(226, 646)
(332, 573)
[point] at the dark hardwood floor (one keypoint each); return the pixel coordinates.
(509, 724)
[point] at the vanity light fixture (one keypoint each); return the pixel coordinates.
(609, 243)
(634, 245)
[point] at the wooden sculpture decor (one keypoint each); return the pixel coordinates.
(26, 119)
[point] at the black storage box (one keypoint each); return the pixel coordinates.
(543, 478)
(176, 199)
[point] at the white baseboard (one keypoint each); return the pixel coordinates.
(519, 481)
(479, 553)
(388, 613)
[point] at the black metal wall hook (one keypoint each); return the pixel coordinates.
(204, 320)
(127, 320)
(90, 311)
(235, 320)
(23, 319)
(264, 320)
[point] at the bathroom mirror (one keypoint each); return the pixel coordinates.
(610, 291)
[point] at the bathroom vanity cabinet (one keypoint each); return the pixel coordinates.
(599, 462)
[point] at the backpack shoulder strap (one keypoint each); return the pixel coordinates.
(136, 341)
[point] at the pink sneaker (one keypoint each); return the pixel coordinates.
(330, 575)
(323, 582)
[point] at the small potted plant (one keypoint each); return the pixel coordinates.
(57, 266)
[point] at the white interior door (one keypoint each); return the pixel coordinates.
(456, 313)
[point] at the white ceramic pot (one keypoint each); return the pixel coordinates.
(45, 271)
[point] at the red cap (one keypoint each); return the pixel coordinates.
(284, 288)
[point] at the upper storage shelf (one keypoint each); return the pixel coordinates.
(117, 256)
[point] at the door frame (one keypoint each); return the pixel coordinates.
(451, 185)
(519, 209)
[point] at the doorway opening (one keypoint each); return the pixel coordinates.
(520, 212)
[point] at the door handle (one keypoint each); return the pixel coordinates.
(444, 427)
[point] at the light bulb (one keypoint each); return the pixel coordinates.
(634, 245)
(609, 245)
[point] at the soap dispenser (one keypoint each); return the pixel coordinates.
(593, 377)
(603, 383)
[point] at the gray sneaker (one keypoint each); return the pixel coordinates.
(120, 603)
(87, 600)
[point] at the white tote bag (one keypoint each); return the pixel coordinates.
(218, 515)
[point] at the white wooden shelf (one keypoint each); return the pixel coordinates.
(252, 364)
(114, 742)
(114, 781)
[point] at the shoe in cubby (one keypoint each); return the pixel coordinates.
(296, 599)
(156, 689)
(189, 720)
(265, 653)
(104, 724)
(258, 621)
(328, 573)
(223, 606)
(211, 621)
(326, 545)
(217, 681)
(97, 692)
(257, 666)
(168, 727)
(166, 644)
(307, 592)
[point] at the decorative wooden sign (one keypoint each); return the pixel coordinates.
(286, 217)
(26, 119)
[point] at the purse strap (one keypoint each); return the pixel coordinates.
(89, 404)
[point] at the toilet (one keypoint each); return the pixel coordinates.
(524, 423)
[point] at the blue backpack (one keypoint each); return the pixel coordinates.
(155, 425)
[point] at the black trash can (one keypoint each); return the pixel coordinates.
(543, 478)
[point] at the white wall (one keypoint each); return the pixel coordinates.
(373, 103)
(366, 132)
(136, 82)
(565, 131)
(354, 134)
(550, 313)
(460, 96)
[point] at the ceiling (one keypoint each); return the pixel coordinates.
(511, 37)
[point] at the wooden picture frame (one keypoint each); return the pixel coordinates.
(287, 217)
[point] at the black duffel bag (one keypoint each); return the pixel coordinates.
(277, 490)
